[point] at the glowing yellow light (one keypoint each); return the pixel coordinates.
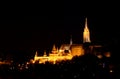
(60, 50)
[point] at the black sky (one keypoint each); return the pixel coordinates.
(57, 24)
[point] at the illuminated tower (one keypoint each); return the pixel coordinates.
(86, 33)
(36, 56)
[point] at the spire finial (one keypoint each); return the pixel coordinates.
(86, 25)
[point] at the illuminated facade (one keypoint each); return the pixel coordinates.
(53, 57)
(66, 51)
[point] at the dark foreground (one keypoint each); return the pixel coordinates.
(84, 67)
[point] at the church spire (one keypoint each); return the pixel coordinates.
(54, 48)
(36, 54)
(35, 57)
(86, 33)
(71, 42)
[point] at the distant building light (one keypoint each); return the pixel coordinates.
(107, 54)
(19, 65)
(26, 67)
(99, 56)
(111, 71)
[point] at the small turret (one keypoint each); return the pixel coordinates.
(45, 53)
(36, 54)
(54, 50)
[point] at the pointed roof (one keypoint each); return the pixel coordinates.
(57, 49)
(36, 53)
(54, 48)
(85, 22)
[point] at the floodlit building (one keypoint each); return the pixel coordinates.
(68, 51)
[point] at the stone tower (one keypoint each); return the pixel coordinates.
(86, 33)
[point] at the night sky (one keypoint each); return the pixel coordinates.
(57, 24)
